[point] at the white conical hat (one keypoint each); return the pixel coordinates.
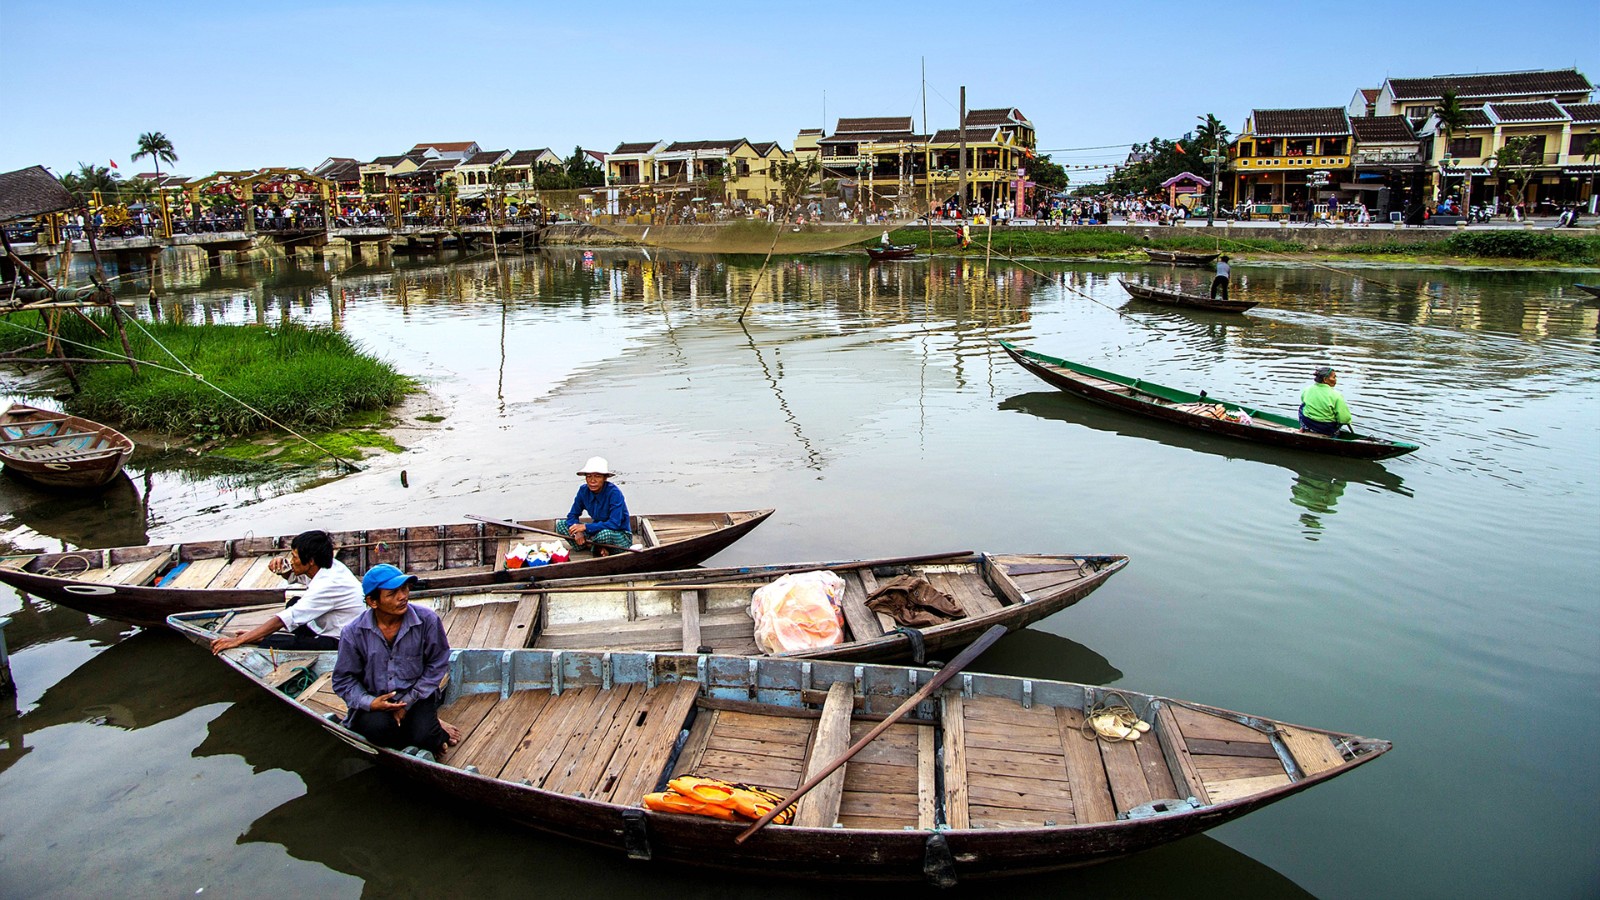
(596, 465)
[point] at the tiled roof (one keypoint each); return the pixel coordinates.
(811, 131)
(1477, 118)
(1382, 130)
(31, 192)
(345, 170)
(1492, 84)
(597, 155)
(1005, 116)
(1370, 94)
(766, 147)
(874, 125)
(679, 146)
(525, 158)
(1312, 121)
(1585, 113)
(638, 147)
(390, 161)
(883, 137)
(974, 135)
(484, 158)
(438, 165)
(1537, 111)
(446, 147)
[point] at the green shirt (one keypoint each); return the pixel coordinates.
(1324, 404)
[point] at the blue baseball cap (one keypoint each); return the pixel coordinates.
(384, 577)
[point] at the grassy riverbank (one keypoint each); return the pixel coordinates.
(1497, 247)
(311, 379)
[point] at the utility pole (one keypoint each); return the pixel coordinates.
(962, 188)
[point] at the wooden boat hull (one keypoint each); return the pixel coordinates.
(568, 743)
(122, 583)
(1179, 298)
(1152, 400)
(1592, 289)
(1179, 258)
(61, 451)
(647, 612)
(879, 254)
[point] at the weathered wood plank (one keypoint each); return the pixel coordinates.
(689, 611)
(782, 749)
(199, 573)
(524, 623)
(1222, 792)
(820, 808)
(927, 789)
(635, 772)
(1179, 761)
(1086, 771)
(506, 724)
(1128, 786)
(138, 573)
(539, 750)
(231, 573)
(467, 713)
(1202, 747)
(593, 773)
(1156, 773)
(459, 623)
(260, 575)
(1198, 725)
(863, 622)
(1226, 768)
(705, 721)
(1314, 753)
(956, 814)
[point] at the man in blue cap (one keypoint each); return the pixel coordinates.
(392, 659)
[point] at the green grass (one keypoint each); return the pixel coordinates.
(306, 378)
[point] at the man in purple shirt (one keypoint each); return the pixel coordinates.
(392, 659)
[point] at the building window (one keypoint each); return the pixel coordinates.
(1580, 143)
(1418, 113)
(1466, 147)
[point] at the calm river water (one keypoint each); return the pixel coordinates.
(1446, 601)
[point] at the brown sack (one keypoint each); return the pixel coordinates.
(912, 601)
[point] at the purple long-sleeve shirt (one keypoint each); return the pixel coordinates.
(370, 666)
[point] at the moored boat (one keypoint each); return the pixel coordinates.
(1146, 398)
(1173, 297)
(706, 610)
(1592, 289)
(59, 450)
(144, 585)
(990, 776)
(896, 251)
(1180, 258)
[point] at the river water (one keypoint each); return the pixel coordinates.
(1445, 600)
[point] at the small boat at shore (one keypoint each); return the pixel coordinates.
(1146, 398)
(896, 251)
(1173, 297)
(1592, 289)
(989, 776)
(1180, 258)
(707, 610)
(144, 585)
(61, 451)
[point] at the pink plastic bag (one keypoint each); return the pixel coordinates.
(799, 612)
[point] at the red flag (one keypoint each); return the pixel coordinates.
(113, 164)
(1179, 147)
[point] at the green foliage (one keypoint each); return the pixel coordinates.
(302, 377)
(794, 176)
(88, 179)
(1514, 163)
(581, 168)
(1512, 243)
(1452, 118)
(1047, 174)
(1160, 159)
(157, 147)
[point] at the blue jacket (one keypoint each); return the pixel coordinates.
(607, 508)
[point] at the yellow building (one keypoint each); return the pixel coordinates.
(1284, 157)
(902, 169)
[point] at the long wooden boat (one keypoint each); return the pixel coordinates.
(879, 254)
(1592, 289)
(144, 585)
(1173, 297)
(706, 610)
(1145, 398)
(993, 776)
(1180, 258)
(61, 451)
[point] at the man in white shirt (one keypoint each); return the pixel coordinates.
(332, 600)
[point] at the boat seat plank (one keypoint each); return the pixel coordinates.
(1156, 773)
(927, 783)
(1126, 776)
(260, 576)
(1197, 725)
(820, 808)
(689, 612)
(537, 757)
(230, 574)
(638, 770)
(1224, 791)
(459, 623)
(524, 623)
(863, 622)
(957, 813)
(1179, 761)
(501, 731)
(1314, 753)
(1086, 772)
(649, 529)
(467, 713)
(198, 574)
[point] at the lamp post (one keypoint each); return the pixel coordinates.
(862, 168)
(1215, 159)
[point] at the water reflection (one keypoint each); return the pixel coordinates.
(1036, 653)
(114, 517)
(1318, 495)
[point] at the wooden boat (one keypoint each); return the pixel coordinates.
(706, 610)
(1179, 258)
(1593, 289)
(993, 776)
(880, 254)
(1182, 298)
(144, 585)
(1195, 410)
(60, 451)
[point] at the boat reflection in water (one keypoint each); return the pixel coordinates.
(1035, 653)
(114, 517)
(1318, 494)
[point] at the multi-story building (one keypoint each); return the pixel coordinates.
(473, 174)
(632, 164)
(886, 156)
(1285, 157)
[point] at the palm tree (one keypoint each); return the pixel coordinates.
(158, 147)
(1212, 134)
(1452, 119)
(88, 179)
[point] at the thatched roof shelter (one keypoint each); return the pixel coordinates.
(31, 192)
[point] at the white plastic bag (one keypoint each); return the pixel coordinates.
(799, 611)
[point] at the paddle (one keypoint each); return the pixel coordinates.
(505, 523)
(950, 670)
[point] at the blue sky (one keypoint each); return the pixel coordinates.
(239, 85)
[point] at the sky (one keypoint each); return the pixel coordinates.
(241, 85)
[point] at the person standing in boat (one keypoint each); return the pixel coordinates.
(313, 622)
(392, 661)
(1219, 284)
(1322, 409)
(609, 527)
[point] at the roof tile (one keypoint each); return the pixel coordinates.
(1492, 84)
(1314, 121)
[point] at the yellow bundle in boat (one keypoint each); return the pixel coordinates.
(718, 799)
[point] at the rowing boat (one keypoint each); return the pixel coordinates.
(1146, 398)
(706, 610)
(1592, 289)
(61, 451)
(144, 585)
(896, 251)
(1180, 258)
(992, 776)
(1173, 297)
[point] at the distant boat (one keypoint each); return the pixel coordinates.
(61, 451)
(1173, 297)
(1146, 398)
(893, 251)
(993, 776)
(1593, 289)
(1180, 258)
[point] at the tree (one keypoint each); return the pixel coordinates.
(158, 148)
(1047, 175)
(1211, 136)
(1514, 163)
(90, 178)
(1151, 163)
(581, 168)
(793, 176)
(1452, 118)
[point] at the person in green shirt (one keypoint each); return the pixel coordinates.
(1322, 409)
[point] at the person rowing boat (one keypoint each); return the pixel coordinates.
(1322, 409)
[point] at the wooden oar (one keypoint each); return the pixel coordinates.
(950, 670)
(505, 523)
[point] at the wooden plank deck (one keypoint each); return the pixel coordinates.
(820, 808)
(1230, 759)
(863, 622)
(762, 750)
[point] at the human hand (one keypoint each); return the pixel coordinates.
(278, 566)
(227, 643)
(387, 702)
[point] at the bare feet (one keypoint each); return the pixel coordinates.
(451, 732)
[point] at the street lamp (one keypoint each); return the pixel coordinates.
(1216, 159)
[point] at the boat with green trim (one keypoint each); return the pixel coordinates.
(1226, 417)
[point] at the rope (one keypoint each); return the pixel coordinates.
(1123, 712)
